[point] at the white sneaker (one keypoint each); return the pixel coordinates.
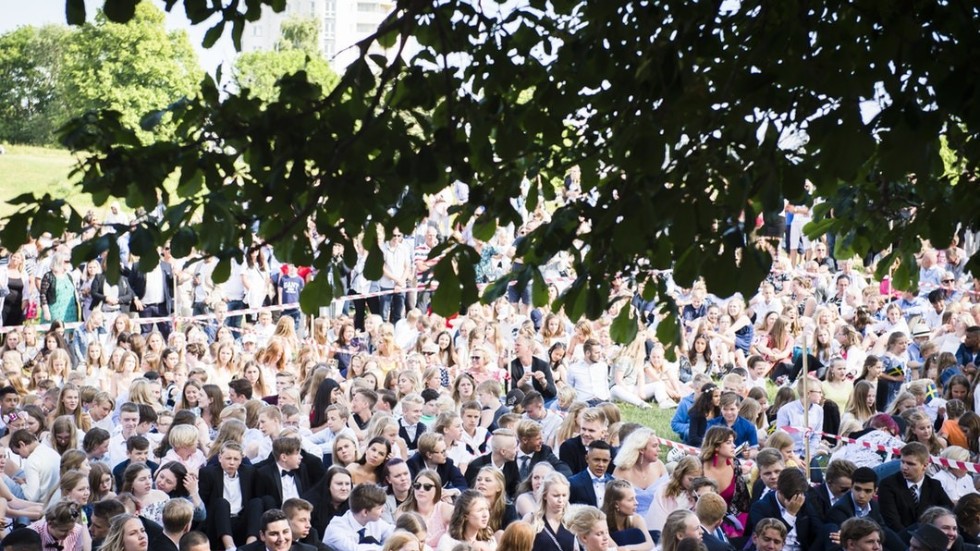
(668, 404)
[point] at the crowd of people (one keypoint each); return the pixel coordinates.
(816, 408)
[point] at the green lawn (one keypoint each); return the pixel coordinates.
(655, 418)
(25, 169)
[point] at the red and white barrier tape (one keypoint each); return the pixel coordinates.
(942, 461)
(691, 450)
(230, 313)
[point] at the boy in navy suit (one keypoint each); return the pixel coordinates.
(589, 486)
(410, 426)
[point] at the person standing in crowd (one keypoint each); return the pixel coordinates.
(59, 297)
(396, 271)
(153, 295)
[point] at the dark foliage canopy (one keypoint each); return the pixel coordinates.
(688, 119)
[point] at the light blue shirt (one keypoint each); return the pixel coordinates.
(791, 415)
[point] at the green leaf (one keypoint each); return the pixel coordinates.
(152, 119)
(484, 227)
(222, 270)
(446, 300)
(213, 34)
(75, 12)
(388, 39)
(668, 332)
(427, 169)
(374, 265)
(624, 327)
(496, 290)
(183, 242)
(197, 11)
(315, 294)
(120, 11)
(90, 249)
(113, 264)
(539, 288)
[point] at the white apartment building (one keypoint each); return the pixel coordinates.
(342, 24)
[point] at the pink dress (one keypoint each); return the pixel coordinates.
(436, 525)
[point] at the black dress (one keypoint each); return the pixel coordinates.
(13, 314)
(548, 540)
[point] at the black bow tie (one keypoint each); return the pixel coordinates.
(55, 545)
(289, 473)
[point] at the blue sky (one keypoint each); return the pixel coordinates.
(41, 12)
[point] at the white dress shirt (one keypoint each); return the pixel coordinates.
(590, 381)
(233, 492)
(599, 485)
(289, 489)
(343, 533)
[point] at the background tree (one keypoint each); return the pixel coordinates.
(297, 50)
(31, 106)
(688, 119)
(133, 68)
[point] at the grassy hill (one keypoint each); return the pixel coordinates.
(39, 170)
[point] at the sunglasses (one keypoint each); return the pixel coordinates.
(948, 280)
(476, 357)
(428, 353)
(426, 487)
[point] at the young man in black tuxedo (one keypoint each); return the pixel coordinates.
(228, 492)
(904, 496)
(285, 477)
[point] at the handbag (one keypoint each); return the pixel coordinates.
(31, 311)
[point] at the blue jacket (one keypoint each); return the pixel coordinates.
(681, 421)
(581, 490)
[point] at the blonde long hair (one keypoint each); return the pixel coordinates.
(553, 479)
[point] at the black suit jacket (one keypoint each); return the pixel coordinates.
(312, 464)
(260, 546)
(819, 499)
(548, 455)
(844, 509)
(448, 472)
(548, 390)
(323, 511)
(581, 490)
(268, 481)
(713, 543)
(572, 452)
(153, 530)
(163, 543)
(125, 292)
(898, 507)
(511, 473)
(137, 280)
(212, 484)
(420, 429)
(314, 540)
(808, 525)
